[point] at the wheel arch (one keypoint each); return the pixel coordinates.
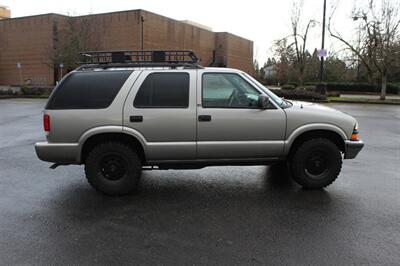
(95, 136)
(333, 133)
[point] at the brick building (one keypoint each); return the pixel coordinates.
(30, 41)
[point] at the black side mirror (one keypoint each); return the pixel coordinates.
(263, 102)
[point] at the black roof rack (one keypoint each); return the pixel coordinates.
(107, 59)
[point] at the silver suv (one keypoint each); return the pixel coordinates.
(122, 112)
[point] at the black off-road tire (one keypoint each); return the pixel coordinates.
(316, 163)
(113, 168)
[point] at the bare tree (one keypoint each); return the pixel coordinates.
(379, 34)
(299, 39)
(73, 35)
(284, 55)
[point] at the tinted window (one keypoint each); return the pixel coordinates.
(227, 90)
(164, 90)
(88, 90)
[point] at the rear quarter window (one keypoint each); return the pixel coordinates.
(88, 90)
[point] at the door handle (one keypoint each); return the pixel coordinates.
(204, 118)
(136, 118)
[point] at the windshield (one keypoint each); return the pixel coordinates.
(280, 101)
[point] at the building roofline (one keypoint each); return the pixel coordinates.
(237, 36)
(144, 11)
(123, 11)
(107, 13)
(31, 16)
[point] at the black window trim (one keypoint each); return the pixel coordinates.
(226, 107)
(164, 107)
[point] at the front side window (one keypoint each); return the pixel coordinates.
(163, 90)
(228, 90)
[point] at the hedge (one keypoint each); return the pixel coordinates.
(288, 87)
(36, 91)
(299, 95)
(359, 87)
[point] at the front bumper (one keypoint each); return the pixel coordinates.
(68, 153)
(353, 147)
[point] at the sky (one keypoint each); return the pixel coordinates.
(261, 21)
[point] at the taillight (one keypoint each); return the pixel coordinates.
(46, 123)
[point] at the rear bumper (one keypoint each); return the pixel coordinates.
(68, 153)
(353, 147)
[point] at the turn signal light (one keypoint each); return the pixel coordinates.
(354, 135)
(46, 123)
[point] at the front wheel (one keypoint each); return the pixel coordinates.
(316, 163)
(113, 168)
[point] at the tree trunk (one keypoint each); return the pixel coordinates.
(383, 89)
(301, 79)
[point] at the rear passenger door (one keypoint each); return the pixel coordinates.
(161, 106)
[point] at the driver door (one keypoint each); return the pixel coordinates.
(230, 125)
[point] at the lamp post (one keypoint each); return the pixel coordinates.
(355, 18)
(19, 66)
(61, 70)
(142, 38)
(321, 69)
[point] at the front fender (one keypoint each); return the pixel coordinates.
(309, 127)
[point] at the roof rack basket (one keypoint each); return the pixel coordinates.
(170, 58)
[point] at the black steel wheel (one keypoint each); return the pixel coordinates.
(316, 163)
(113, 168)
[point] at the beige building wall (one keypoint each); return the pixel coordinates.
(31, 40)
(27, 41)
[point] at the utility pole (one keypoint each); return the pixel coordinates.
(19, 66)
(142, 38)
(355, 18)
(321, 70)
(61, 70)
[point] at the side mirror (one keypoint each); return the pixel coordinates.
(263, 102)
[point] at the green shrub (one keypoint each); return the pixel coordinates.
(359, 87)
(35, 91)
(310, 88)
(333, 94)
(393, 88)
(288, 87)
(7, 92)
(306, 88)
(300, 95)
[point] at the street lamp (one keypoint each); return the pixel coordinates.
(19, 66)
(355, 18)
(142, 39)
(321, 70)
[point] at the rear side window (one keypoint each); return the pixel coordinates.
(163, 90)
(88, 90)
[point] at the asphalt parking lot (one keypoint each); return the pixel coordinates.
(219, 215)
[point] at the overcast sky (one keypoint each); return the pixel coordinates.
(262, 21)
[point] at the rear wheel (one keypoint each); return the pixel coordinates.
(316, 163)
(113, 168)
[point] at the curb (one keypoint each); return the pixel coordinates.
(365, 102)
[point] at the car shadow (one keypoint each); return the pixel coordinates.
(172, 209)
(211, 186)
